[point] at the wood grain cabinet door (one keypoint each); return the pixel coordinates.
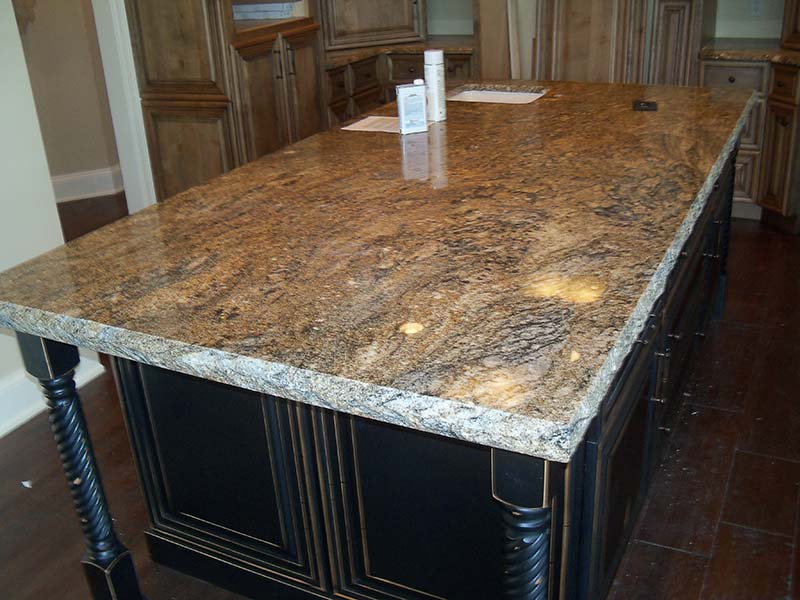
(670, 54)
(263, 109)
(354, 23)
(189, 145)
(177, 45)
(303, 84)
(791, 25)
(781, 124)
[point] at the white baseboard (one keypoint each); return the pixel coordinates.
(21, 400)
(88, 184)
(746, 210)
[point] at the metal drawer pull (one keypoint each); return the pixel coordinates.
(780, 83)
(675, 336)
(665, 429)
(659, 400)
(732, 79)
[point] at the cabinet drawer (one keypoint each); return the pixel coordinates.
(458, 66)
(339, 111)
(727, 74)
(337, 79)
(368, 101)
(405, 67)
(784, 83)
(365, 75)
(745, 182)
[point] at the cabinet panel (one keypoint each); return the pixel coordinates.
(777, 157)
(367, 101)
(353, 23)
(414, 515)
(337, 84)
(746, 178)
(458, 66)
(791, 25)
(262, 101)
(785, 81)
(188, 146)
(177, 45)
(365, 75)
(619, 469)
(304, 85)
(670, 56)
(406, 67)
(229, 483)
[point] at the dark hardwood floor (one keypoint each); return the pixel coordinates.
(722, 514)
(79, 217)
(720, 520)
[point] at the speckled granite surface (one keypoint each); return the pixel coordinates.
(483, 281)
(755, 50)
(451, 44)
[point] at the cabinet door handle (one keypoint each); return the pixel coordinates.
(780, 83)
(783, 121)
(276, 57)
(412, 70)
(291, 61)
(732, 79)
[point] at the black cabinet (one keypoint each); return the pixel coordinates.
(224, 473)
(389, 486)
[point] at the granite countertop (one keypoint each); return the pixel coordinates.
(745, 49)
(451, 44)
(484, 281)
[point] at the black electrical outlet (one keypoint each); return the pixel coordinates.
(645, 105)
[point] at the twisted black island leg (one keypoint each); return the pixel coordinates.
(107, 564)
(519, 486)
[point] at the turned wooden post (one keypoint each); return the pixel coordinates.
(107, 564)
(519, 488)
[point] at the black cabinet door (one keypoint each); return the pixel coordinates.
(412, 513)
(617, 470)
(223, 471)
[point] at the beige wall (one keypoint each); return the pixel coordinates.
(60, 43)
(30, 222)
(734, 20)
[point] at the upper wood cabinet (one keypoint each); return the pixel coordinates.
(216, 93)
(178, 46)
(670, 52)
(354, 23)
(791, 25)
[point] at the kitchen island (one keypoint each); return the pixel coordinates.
(373, 366)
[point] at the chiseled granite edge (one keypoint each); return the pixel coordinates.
(450, 418)
(468, 422)
(600, 384)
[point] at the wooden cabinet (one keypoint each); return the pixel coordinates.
(303, 83)
(779, 171)
(263, 107)
(791, 25)
(215, 96)
(748, 76)
(189, 144)
(354, 23)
